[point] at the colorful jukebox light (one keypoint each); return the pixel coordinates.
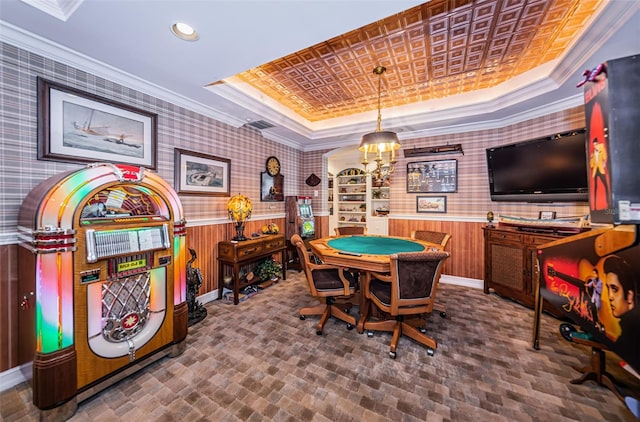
(103, 279)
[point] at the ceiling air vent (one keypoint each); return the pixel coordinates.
(260, 125)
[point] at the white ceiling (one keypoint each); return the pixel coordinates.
(129, 42)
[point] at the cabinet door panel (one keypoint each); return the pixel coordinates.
(507, 266)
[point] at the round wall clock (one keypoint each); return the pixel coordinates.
(273, 166)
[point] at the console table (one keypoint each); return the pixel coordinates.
(236, 254)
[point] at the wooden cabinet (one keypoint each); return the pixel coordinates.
(511, 263)
(233, 255)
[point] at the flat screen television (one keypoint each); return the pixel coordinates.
(550, 169)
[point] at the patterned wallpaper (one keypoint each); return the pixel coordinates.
(247, 149)
(177, 127)
(472, 199)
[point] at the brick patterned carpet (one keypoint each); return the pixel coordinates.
(258, 361)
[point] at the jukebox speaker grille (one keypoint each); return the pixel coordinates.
(125, 307)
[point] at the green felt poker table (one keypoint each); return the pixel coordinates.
(366, 252)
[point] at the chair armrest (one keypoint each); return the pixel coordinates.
(345, 281)
(341, 270)
(366, 280)
(314, 267)
(381, 276)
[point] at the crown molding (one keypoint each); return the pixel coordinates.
(60, 9)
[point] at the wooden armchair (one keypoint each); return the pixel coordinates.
(350, 230)
(333, 286)
(442, 239)
(409, 290)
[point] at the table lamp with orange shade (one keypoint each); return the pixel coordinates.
(239, 207)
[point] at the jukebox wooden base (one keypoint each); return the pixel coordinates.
(171, 351)
(54, 378)
(54, 384)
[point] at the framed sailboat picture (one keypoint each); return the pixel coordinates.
(77, 126)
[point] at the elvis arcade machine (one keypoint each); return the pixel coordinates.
(594, 277)
(102, 281)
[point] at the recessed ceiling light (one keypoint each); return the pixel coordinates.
(184, 31)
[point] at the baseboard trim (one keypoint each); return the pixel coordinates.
(208, 297)
(462, 281)
(14, 376)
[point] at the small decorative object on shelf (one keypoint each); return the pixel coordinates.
(547, 215)
(271, 228)
(490, 219)
(197, 312)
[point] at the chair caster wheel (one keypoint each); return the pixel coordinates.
(302, 318)
(392, 355)
(566, 330)
(443, 314)
(430, 351)
(349, 327)
(369, 334)
(319, 332)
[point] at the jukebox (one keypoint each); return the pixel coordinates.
(102, 280)
(594, 277)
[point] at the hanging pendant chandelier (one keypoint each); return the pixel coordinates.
(381, 144)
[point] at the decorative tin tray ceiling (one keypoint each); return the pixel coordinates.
(435, 50)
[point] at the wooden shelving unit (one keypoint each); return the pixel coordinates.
(351, 195)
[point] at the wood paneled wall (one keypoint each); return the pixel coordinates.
(8, 306)
(466, 245)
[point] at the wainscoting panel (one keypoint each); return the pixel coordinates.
(465, 245)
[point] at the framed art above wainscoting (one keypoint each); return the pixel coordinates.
(201, 174)
(271, 187)
(437, 176)
(436, 204)
(77, 126)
